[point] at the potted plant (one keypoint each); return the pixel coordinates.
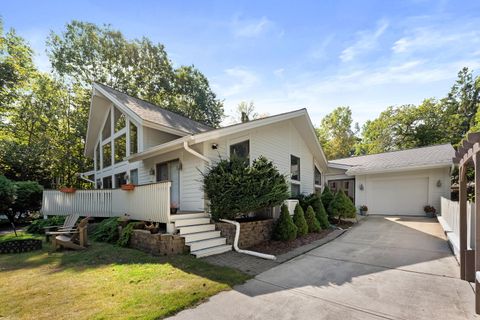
(429, 211)
(363, 210)
(127, 186)
(173, 208)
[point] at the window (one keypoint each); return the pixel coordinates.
(241, 150)
(294, 189)
(97, 156)
(317, 177)
(119, 121)
(98, 184)
(120, 179)
(162, 172)
(295, 168)
(134, 176)
(133, 138)
(107, 155)
(107, 182)
(107, 128)
(120, 148)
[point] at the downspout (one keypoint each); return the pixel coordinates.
(235, 243)
(195, 153)
(81, 176)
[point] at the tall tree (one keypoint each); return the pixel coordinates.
(85, 53)
(336, 135)
(246, 112)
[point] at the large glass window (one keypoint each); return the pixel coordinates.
(133, 138)
(295, 168)
(120, 179)
(107, 155)
(119, 120)
(294, 189)
(120, 148)
(134, 176)
(107, 182)
(97, 157)
(241, 150)
(317, 177)
(107, 128)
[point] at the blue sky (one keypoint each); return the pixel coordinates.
(288, 55)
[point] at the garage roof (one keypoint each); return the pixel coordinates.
(418, 158)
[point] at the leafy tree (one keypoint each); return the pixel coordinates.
(284, 228)
(246, 111)
(28, 197)
(299, 221)
(312, 222)
(327, 197)
(7, 198)
(243, 188)
(342, 207)
(85, 53)
(336, 135)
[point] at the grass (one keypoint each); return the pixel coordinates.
(21, 236)
(106, 282)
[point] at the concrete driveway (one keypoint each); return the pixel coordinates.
(384, 268)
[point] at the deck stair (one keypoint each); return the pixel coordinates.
(200, 234)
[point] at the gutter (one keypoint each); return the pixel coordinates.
(235, 243)
(195, 153)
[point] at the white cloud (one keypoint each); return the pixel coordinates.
(235, 81)
(367, 40)
(279, 72)
(250, 28)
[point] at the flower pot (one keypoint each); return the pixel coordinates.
(127, 187)
(173, 210)
(430, 215)
(68, 190)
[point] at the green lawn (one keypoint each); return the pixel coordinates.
(105, 282)
(20, 235)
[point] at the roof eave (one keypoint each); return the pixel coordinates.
(354, 172)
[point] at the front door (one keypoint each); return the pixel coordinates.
(170, 171)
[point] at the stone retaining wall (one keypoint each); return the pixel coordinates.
(251, 233)
(157, 244)
(17, 246)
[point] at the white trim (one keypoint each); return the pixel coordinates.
(163, 128)
(339, 166)
(352, 171)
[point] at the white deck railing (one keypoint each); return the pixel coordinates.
(147, 202)
(450, 221)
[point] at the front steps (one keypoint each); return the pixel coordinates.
(200, 235)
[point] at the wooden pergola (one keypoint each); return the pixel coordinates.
(468, 155)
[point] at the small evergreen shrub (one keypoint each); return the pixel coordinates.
(124, 238)
(342, 207)
(37, 226)
(234, 188)
(284, 229)
(107, 231)
(327, 198)
(321, 215)
(312, 222)
(299, 221)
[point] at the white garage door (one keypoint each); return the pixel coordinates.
(402, 196)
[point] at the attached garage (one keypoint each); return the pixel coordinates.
(397, 183)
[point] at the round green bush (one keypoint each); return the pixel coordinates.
(312, 222)
(342, 207)
(299, 221)
(284, 229)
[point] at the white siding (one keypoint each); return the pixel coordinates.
(153, 137)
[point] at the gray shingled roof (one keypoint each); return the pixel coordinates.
(412, 158)
(153, 113)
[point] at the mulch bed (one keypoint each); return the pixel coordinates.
(280, 247)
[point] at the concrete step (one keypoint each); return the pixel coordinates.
(183, 216)
(196, 229)
(212, 250)
(191, 222)
(201, 236)
(204, 244)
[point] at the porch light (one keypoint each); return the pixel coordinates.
(152, 172)
(361, 187)
(214, 146)
(439, 183)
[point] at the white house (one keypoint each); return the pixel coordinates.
(396, 183)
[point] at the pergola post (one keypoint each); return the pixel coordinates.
(462, 200)
(476, 160)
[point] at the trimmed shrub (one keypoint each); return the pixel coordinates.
(284, 229)
(327, 198)
(37, 225)
(124, 238)
(28, 196)
(312, 222)
(107, 231)
(321, 215)
(342, 207)
(299, 221)
(234, 188)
